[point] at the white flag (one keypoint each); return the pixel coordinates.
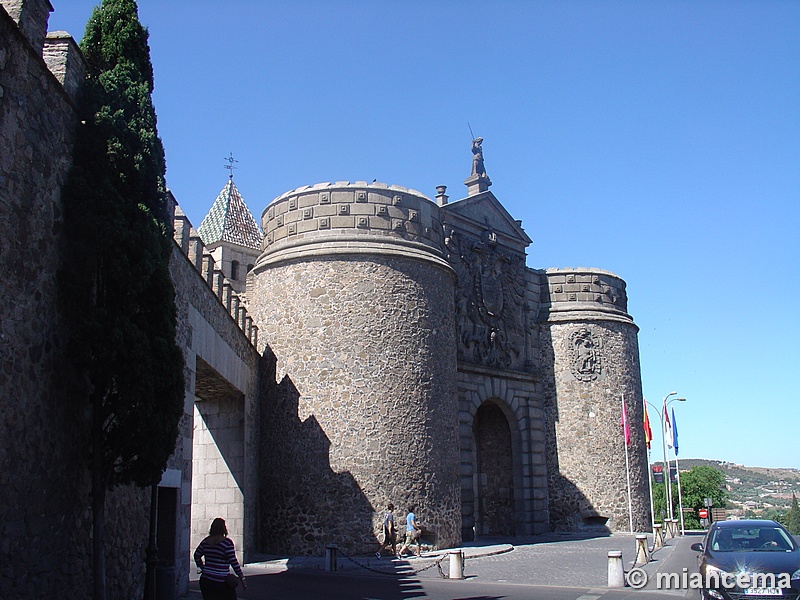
(667, 427)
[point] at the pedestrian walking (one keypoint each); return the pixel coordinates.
(389, 532)
(413, 533)
(216, 580)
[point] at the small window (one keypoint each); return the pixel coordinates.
(234, 269)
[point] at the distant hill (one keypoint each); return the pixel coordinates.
(753, 491)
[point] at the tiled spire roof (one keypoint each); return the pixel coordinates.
(229, 220)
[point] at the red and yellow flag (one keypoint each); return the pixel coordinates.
(648, 433)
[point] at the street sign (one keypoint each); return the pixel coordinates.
(718, 514)
(703, 513)
(658, 474)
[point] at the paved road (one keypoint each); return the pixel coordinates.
(550, 567)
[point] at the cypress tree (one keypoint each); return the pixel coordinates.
(793, 517)
(116, 286)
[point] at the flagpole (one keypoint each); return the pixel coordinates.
(650, 473)
(680, 498)
(668, 487)
(627, 463)
(677, 467)
(650, 486)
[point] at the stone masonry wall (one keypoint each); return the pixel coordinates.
(355, 303)
(210, 328)
(45, 515)
(218, 475)
(590, 363)
(364, 410)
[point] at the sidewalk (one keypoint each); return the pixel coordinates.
(552, 559)
(386, 561)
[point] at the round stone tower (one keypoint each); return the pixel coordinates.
(591, 355)
(355, 301)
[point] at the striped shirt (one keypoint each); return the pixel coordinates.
(219, 559)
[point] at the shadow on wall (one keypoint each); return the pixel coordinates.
(221, 407)
(304, 504)
(570, 509)
(586, 451)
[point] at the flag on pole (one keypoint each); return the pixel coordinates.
(667, 427)
(648, 433)
(626, 427)
(674, 434)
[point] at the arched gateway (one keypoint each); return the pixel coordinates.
(495, 474)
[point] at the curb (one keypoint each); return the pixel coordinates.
(314, 562)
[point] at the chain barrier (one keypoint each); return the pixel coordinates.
(437, 564)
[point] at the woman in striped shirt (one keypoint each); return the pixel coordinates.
(219, 555)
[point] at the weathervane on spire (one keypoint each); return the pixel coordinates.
(230, 160)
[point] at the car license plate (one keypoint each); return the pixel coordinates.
(763, 592)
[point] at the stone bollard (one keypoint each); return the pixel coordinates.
(658, 540)
(616, 574)
(670, 529)
(456, 564)
(330, 558)
(641, 550)
(676, 526)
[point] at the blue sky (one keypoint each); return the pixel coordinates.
(657, 140)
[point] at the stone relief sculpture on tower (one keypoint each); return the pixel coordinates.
(489, 301)
(584, 350)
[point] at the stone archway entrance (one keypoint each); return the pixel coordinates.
(495, 475)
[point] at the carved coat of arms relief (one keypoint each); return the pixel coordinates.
(584, 350)
(490, 295)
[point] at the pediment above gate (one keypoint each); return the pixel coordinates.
(483, 216)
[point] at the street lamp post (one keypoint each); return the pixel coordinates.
(660, 414)
(664, 450)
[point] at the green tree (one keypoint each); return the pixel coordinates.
(660, 508)
(792, 518)
(660, 502)
(697, 484)
(118, 294)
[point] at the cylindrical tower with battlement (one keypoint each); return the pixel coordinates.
(591, 355)
(354, 299)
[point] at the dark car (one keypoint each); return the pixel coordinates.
(748, 560)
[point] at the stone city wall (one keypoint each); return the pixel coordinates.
(45, 515)
(217, 449)
(590, 359)
(361, 328)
